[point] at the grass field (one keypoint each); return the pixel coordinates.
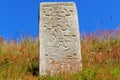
(100, 55)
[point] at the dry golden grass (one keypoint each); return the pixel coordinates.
(100, 55)
(1, 40)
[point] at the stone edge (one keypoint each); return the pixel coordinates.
(43, 3)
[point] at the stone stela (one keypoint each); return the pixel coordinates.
(60, 49)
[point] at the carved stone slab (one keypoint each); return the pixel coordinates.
(60, 49)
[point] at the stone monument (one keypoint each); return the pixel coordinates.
(60, 49)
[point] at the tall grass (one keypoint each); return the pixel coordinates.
(19, 60)
(100, 55)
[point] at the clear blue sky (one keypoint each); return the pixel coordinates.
(18, 17)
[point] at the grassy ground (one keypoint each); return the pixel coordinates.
(100, 55)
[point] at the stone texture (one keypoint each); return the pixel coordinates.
(60, 49)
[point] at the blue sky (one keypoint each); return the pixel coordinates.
(18, 17)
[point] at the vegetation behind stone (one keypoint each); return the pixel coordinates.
(100, 55)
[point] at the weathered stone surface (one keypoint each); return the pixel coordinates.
(60, 49)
